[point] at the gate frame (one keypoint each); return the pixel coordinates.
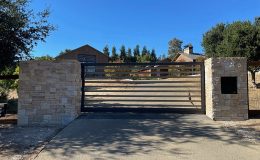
(202, 81)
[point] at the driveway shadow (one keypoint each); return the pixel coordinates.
(112, 135)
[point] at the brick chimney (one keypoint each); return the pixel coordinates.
(188, 49)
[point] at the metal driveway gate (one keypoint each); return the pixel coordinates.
(143, 87)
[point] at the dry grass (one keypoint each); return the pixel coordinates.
(13, 94)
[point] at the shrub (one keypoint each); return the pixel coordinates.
(7, 85)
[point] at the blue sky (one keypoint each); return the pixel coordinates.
(146, 22)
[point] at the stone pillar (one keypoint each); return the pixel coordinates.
(49, 92)
(226, 88)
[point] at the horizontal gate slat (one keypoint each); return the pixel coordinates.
(144, 86)
(135, 77)
(143, 105)
(166, 96)
(185, 91)
(140, 81)
(131, 72)
(136, 68)
(141, 100)
(180, 67)
(145, 64)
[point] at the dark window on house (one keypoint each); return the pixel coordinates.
(83, 58)
(228, 85)
(86, 58)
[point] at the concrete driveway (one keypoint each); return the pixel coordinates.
(148, 136)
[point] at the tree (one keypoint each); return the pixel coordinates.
(175, 46)
(153, 56)
(257, 21)
(123, 53)
(144, 51)
(65, 51)
(106, 50)
(188, 45)
(47, 58)
(136, 52)
(146, 58)
(213, 39)
(20, 30)
(7, 85)
(200, 59)
(238, 39)
(163, 56)
(114, 55)
(129, 55)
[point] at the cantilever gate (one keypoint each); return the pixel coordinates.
(143, 87)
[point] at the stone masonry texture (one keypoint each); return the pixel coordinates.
(49, 92)
(226, 106)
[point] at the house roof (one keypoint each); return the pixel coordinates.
(86, 47)
(192, 56)
(165, 60)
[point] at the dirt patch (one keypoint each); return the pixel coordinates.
(18, 143)
(13, 94)
(248, 130)
(9, 119)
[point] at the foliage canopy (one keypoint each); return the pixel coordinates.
(20, 30)
(175, 46)
(237, 39)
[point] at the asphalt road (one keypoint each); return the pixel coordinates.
(148, 136)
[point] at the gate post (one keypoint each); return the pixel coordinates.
(49, 92)
(202, 79)
(226, 88)
(82, 86)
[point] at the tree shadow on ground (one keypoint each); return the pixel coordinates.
(20, 141)
(113, 135)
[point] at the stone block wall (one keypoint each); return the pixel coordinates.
(221, 106)
(49, 92)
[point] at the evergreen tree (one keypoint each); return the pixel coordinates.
(114, 55)
(136, 52)
(145, 58)
(123, 53)
(163, 57)
(129, 55)
(144, 51)
(153, 56)
(148, 52)
(106, 50)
